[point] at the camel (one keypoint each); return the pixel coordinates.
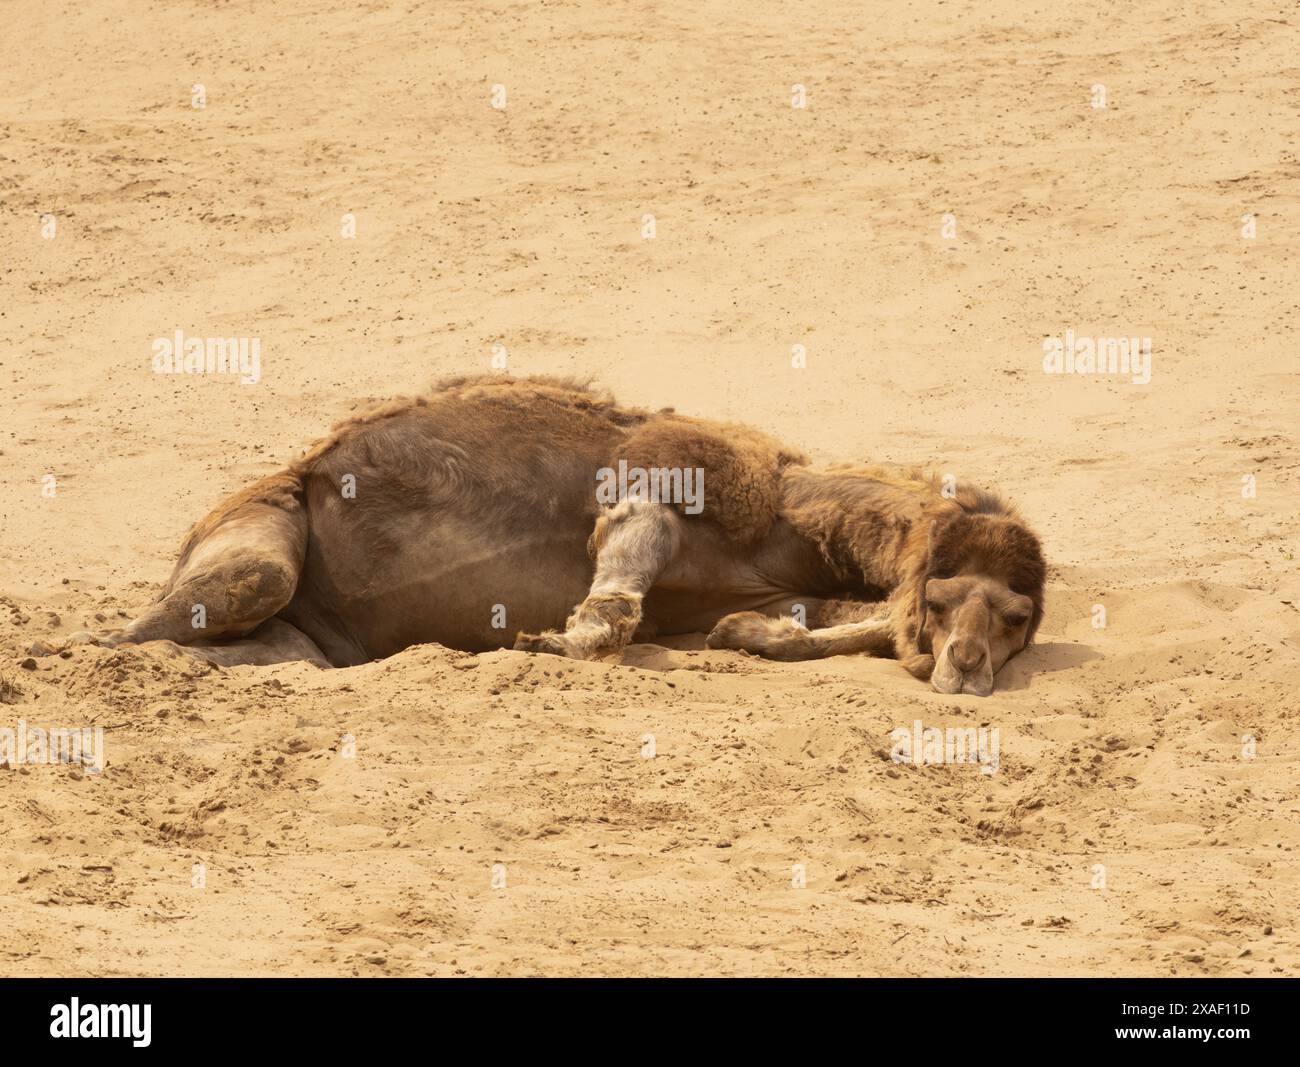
(471, 517)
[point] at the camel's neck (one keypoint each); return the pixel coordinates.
(872, 518)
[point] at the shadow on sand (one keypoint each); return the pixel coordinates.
(1047, 658)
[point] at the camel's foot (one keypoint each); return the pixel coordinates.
(749, 631)
(738, 631)
(41, 647)
(104, 640)
(550, 642)
(275, 641)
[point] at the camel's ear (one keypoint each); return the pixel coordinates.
(919, 666)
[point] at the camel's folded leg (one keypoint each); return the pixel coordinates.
(868, 630)
(237, 568)
(275, 641)
(633, 543)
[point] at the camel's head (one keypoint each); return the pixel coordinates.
(979, 600)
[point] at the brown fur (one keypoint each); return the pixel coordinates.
(742, 468)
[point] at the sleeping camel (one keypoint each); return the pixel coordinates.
(471, 517)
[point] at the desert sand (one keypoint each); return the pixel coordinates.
(949, 197)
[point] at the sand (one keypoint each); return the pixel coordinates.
(498, 815)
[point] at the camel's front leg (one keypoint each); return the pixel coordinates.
(856, 627)
(633, 543)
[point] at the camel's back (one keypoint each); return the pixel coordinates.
(530, 445)
(535, 446)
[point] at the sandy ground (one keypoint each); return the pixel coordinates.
(775, 226)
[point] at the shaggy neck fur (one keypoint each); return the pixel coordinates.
(893, 532)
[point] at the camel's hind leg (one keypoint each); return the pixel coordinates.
(237, 568)
(633, 543)
(275, 641)
(840, 627)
